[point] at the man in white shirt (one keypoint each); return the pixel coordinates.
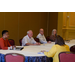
(41, 37)
(28, 39)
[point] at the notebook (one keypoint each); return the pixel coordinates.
(19, 48)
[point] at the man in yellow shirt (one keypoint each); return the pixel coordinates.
(57, 48)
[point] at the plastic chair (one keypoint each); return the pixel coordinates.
(14, 57)
(66, 57)
(12, 42)
(72, 48)
(20, 41)
(36, 39)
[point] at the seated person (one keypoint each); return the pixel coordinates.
(4, 43)
(53, 35)
(28, 39)
(41, 37)
(59, 46)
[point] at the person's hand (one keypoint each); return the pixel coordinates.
(43, 51)
(37, 44)
(49, 41)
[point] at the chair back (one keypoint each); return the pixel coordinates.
(66, 57)
(37, 40)
(14, 57)
(72, 48)
(48, 38)
(20, 41)
(12, 42)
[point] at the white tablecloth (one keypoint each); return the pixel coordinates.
(33, 50)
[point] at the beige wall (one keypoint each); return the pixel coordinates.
(66, 26)
(60, 23)
(18, 23)
(69, 26)
(53, 21)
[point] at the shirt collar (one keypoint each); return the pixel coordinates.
(3, 39)
(28, 37)
(41, 35)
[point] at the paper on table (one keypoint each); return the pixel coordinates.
(41, 52)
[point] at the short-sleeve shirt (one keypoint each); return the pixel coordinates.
(41, 38)
(26, 39)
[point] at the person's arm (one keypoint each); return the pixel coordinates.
(52, 52)
(2, 45)
(35, 43)
(27, 44)
(45, 38)
(67, 48)
(24, 41)
(43, 41)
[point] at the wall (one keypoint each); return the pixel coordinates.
(18, 23)
(53, 21)
(67, 27)
(60, 23)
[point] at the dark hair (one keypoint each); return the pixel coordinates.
(59, 40)
(4, 31)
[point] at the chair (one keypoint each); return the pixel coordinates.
(12, 42)
(37, 40)
(20, 41)
(48, 38)
(14, 57)
(66, 57)
(72, 48)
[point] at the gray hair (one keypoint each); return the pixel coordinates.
(28, 31)
(53, 31)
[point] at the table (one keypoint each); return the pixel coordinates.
(31, 52)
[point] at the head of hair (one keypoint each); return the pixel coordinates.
(53, 31)
(4, 31)
(41, 29)
(29, 31)
(59, 40)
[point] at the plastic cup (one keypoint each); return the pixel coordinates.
(11, 47)
(14, 48)
(8, 48)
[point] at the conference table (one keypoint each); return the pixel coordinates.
(33, 53)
